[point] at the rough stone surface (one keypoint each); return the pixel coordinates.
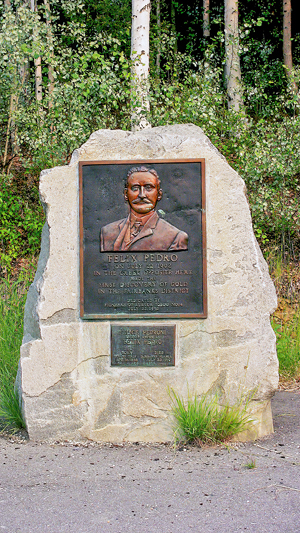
(68, 389)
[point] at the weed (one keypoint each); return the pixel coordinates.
(204, 421)
(251, 464)
(12, 301)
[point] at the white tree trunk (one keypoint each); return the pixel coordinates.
(38, 65)
(50, 44)
(232, 58)
(287, 42)
(38, 79)
(206, 29)
(140, 63)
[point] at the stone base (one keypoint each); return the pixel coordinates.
(262, 422)
(68, 388)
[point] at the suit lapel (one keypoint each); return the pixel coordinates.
(122, 228)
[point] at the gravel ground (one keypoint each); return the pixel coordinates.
(153, 489)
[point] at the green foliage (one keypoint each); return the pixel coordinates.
(194, 95)
(88, 52)
(268, 158)
(204, 421)
(91, 87)
(110, 16)
(12, 301)
(288, 347)
(20, 225)
(265, 152)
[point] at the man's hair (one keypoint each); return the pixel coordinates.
(133, 170)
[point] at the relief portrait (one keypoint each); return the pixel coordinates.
(143, 229)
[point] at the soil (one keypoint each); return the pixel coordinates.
(139, 488)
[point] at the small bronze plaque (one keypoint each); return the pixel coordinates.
(143, 345)
(142, 239)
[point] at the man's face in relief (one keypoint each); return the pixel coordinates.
(142, 192)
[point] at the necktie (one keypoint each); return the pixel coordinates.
(136, 228)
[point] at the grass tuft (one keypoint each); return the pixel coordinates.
(12, 301)
(203, 421)
(251, 464)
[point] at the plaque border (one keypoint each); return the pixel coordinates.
(144, 316)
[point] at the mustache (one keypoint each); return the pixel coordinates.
(141, 201)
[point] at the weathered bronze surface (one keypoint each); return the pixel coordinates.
(142, 345)
(150, 263)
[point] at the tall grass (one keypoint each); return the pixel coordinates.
(288, 347)
(203, 421)
(12, 301)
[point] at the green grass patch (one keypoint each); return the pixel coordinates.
(12, 302)
(204, 421)
(250, 465)
(288, 347)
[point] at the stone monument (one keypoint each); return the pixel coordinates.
(149, 278)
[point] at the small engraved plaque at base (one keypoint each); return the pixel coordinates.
(142, 345)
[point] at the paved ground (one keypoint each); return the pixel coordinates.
(152, 489)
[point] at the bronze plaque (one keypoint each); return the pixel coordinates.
(142, 345)
(142, 239)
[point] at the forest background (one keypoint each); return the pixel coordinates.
(65, 71)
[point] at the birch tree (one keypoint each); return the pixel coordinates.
(287, 43)
(206, 28)
(140, 64)
(232, 58)
(51, 53)
(37, 63)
